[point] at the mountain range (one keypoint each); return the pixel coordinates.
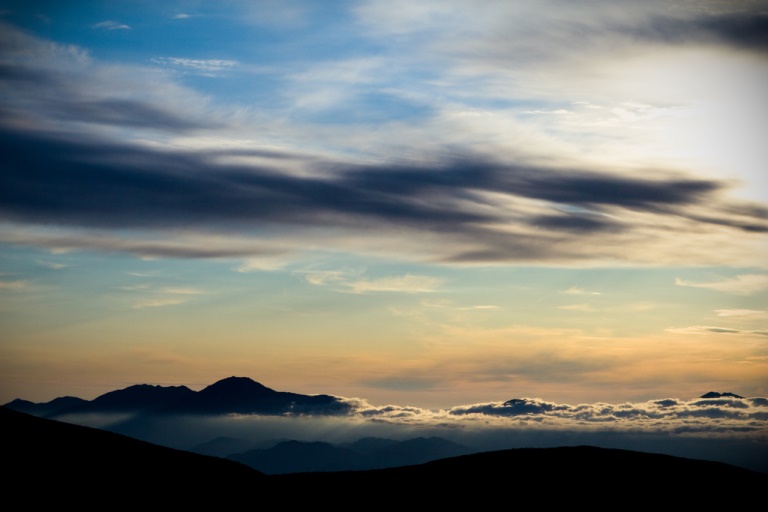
(233, 395)
(51, 463)
(169, 415)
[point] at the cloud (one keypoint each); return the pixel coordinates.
(428, 202)
(575, 290)
(182, 16)
(182, 245)
(709, 329)
(671, 415)
(746, 284)
(322, 277)
(577, 307)
(63, 88)
(742, 314)
(17, 286)
(207, 67)
(161, 296)
(408, 283)
(52, 264)
(452, 199)
(265, 263)
(158, 303)
(111, 25)
(181, 291)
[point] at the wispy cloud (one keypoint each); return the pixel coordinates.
(746, 284)
(153, 296)
(180, 291)
(322, 277)
(17, 286)
(742, 314)
(575, 290)
(408, 283)
(577, 307)
(709, 329)
(52, 264)
(208, 66)
(157, 303)
(261, 264)
(111, 25)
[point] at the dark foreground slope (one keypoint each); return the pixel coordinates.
(46, 462)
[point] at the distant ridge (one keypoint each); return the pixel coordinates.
(232, 395)
(53, 408)
(367, 453)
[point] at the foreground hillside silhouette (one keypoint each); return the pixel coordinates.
(52, 463)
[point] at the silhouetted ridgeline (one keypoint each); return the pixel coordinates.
(367, 453)
(231, 395)
(51, 463)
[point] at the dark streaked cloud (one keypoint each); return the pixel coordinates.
(127, 113)
(748, 30)
(93, 183)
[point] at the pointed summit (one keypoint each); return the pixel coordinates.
(236, 385)
(235, 395)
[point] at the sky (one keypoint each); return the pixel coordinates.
(431, 204)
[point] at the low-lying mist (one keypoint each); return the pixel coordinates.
(731, 430)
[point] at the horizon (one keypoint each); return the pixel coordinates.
(201, 387)
(725, 428)
(423, 204)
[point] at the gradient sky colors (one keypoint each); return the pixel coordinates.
(425, 203)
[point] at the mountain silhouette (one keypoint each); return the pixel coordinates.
(55, 407)
(367, 453)
(239, 395)
(299, 457)
(245, 396)
(50, 463)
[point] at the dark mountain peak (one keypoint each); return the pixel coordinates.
(713, 394)
(237, 386)
(17, 404)
(236, 395)
(302, 456)
(368, 445)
